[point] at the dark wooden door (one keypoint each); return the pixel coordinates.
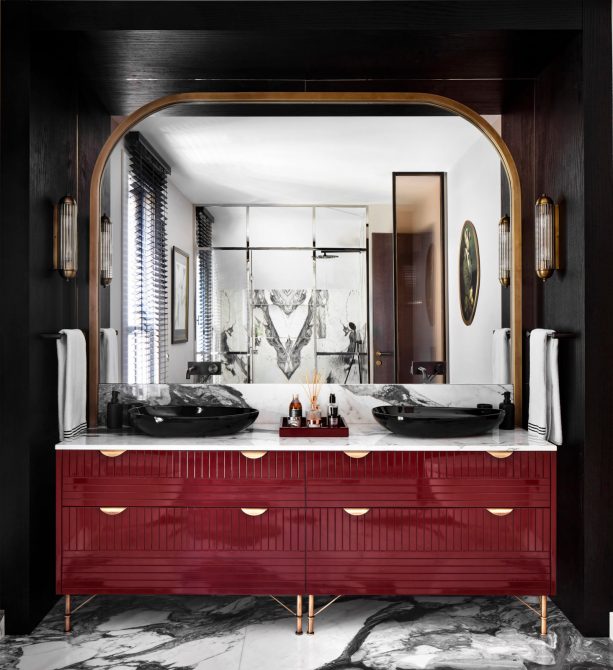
(383, 320)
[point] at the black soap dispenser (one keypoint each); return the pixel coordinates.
(114, 412)
(508, 423)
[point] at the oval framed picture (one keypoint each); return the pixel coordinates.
(470, 272)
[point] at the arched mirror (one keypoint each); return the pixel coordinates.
(255, 238)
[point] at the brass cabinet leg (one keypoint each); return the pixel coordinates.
(67, 626)
(298, 615)
(311, 617)
(543, 615)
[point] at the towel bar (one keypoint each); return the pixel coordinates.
(557, 335)
(58, 336)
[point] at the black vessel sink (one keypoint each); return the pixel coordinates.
(191, 420)
(437, 421)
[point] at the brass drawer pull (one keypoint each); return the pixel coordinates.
(112, 511)
(356, 511)
(254, 511)
(254, 455)
(357, 454)
(112, 453)
(499, 511)
(500, 454)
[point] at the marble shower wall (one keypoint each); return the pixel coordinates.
(355, 400)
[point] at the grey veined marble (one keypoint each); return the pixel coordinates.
(232, 633)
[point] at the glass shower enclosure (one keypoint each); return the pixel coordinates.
(282, 291)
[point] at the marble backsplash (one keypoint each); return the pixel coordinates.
(355, 401)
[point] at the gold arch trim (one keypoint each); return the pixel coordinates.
(282, 98)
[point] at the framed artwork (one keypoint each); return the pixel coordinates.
(180, 296)
(470, 272)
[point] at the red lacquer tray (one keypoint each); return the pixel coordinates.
(342, 430)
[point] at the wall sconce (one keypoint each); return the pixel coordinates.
(504, 251)
(106, 251)
(65, 240)
(546, 237)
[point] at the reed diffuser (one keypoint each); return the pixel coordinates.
(312, 389)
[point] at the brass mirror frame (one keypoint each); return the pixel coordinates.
(442, 102)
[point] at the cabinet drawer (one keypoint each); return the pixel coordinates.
(429, 479)
(182, 550)
(182, 478)
(426, 550)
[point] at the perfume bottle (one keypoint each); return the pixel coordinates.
(332, 412)
(295, 412)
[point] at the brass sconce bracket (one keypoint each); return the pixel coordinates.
(556, 233)
(55, 238)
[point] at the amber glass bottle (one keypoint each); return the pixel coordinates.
(295, 412)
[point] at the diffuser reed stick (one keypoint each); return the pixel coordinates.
(312, 389)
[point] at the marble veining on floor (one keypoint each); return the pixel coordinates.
(253, 633)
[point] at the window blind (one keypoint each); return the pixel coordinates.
(145, 304)
(205, 284)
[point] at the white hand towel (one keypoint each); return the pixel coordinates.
(501, 356)
(544, 413)
(71, 383)
(109, 356)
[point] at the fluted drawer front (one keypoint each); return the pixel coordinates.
(429, 479)
(182, 478)
(424, 551)
(182, 550)
(429, 530)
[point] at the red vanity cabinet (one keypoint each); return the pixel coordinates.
(180, 522)
(381, 523)
(430, 522)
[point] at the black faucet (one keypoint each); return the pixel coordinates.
(203, 368)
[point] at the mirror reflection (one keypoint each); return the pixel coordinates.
(260, 248)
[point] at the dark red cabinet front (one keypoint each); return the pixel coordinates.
(428, 551)
(182, 479)
(429, 479)
(182, 550)
(416, 523)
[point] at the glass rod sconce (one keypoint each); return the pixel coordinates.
(504, 251)
(65, 239)
(106, 251)
(546, 237)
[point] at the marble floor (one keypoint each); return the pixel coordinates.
(248, 633)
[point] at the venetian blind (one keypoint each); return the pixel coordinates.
(204, 283)
(145, 299)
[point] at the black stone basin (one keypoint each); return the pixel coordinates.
(437, 421)
(191, 420)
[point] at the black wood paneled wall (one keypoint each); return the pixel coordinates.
(559, 172)
(558, 128)
(51, 134)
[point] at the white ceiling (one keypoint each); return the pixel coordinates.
(304, 160)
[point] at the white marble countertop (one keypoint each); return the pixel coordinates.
(264, 437)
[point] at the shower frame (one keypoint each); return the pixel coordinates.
(314, 249)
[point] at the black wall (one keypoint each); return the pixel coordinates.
(545, 66)
(46, 123)
(559, 172)
(558, 128)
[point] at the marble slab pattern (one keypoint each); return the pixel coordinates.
(362, 437)
(355, 400)
(248, 633)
